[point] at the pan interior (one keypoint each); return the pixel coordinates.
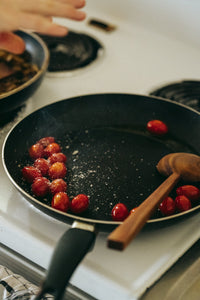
(112, 165)
(110, 155)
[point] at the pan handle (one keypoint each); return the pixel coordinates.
(70, 250)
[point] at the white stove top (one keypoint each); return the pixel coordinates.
(154, 44)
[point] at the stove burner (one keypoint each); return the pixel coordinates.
(185, 92)
(71, 52)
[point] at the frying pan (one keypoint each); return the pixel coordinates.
(40, 56)
(111, 158)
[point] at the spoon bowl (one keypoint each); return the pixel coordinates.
(185, 164)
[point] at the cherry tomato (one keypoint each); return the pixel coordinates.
(57, 157)
(157, 127)
(79, 203)
(36, 151)
(119, 212)
(45, 141)
(182, 203)
(133, 210)
(190, 191)
(58, 185)
(51, 148)
(42, 164)
(30, 173)
(61, 201)
(57, 170)
(167, 206)
(40, 186)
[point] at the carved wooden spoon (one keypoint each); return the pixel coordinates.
(174, 165)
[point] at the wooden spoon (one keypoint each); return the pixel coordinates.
(174, 165)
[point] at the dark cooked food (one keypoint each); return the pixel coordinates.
(15, 70)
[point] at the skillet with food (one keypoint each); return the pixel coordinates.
(110, 156)
(21, 75)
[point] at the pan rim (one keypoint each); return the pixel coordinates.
(77, 217)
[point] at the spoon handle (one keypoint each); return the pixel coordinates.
(125, 232)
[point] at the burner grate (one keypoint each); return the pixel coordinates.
(185, 92)
(71, 52)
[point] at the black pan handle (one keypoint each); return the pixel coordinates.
(70, 250)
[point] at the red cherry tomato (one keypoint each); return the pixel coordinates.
(30, 173)
(57, 157)
(119, 212)
(157, 127)
(167, 206)
(182, 203)
(36, 151)
(45, 141)
(57, 170)
(51, 148)
(58, 185)
(61, 201)
(190, 191)
(133, 210)
(42, 164)
(40, 186)
(79, 203)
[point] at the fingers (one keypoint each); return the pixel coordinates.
(54, 8)
(75, 3)
(11, 43)
(35, 15)
(14, 20)
(41, 24)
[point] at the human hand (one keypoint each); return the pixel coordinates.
(37, 16)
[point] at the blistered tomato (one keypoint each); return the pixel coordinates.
(57, 170)
(36, 151)
(133, 210)
(58, 185)
(40, 186)
(61, 201)
(57, 157)
(182, 203)
(45, 141)
(167, 206)
(30, 173)
(190, 191)
(157, 127)
(119, 212)
(51, 148)
(42, 164)
(79, 204)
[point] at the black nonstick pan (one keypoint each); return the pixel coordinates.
(111, 158)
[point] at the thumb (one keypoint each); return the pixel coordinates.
(11, 43)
